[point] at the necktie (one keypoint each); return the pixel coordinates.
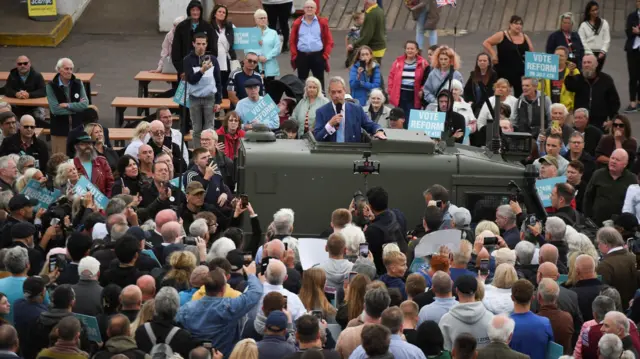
(340, 132)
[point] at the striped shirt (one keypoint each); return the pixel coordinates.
(409, 76)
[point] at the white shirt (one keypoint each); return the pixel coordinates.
(632, 201)
(497, 300)
(134, 146)
(223, 50)
(294, 304)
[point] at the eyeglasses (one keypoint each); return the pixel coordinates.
(28, 127)
(157, 133)
(618, 125)
(252, 61)
(23, 63)
(234, 120)
(577, 142)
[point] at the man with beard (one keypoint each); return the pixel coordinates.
(94, 167)
(160, 143)
(8, 174)
(594, 91)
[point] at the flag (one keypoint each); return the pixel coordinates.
(442, 3)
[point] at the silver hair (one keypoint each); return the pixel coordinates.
(167, 303)
(610, 347)
(259, 12)
(502, 333)
(534, 81)
(313, 80)
(561, 106)
(213, 133)
(220, 248)
(338, 79)
(61, 61)
(5, 197)
(23, 161)
(456, 84)
(4, 161)
(620, 321)
(283, 221)
(612, 293)
(377, 92)
(441, 283)
(576, 134)
(506, 211)
(115, 205)
(199, 228)
(548, 291)
(566, 15)
(583, 110)
(556, 228)
(505, 255)
(610, 237)
(276, 272)
(601, 306)
(5, 105)
(353, 237)
(61, 173)
(118, 231)
(16, 260)
(524, 252)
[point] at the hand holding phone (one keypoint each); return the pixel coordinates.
(484, 267)
(364, 249)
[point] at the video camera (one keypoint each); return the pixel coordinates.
(366, 166)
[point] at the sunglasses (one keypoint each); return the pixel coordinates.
(23, 63)
(618, 125)
(252, 61)
(28, 127)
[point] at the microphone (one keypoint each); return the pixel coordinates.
(338, 111)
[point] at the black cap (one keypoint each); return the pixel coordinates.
(627, 221)
(138, 232)
(22, 230)
(252, 82)
(83, 137)
(20, 201)
(236, 259)
(33, 286)
(396, 114)
(466, 284)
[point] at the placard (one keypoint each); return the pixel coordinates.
(42, 8)
(541, 65)
(544, 187)
(430, 243)
(431, 122)
(179, 95)
(91, 323)
(45, 198)
(264, 112)
(312, 252)
(245, 38)
(85, 185)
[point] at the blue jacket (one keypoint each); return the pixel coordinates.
(200, 86)
(356, 120)
(361, 88)
(275, 347)
(394, 282)
(220, 320)
(270, 49)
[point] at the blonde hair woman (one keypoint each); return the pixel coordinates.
(245, 349)
(445, 61)
(305, 112)
(96, 132)
(487, 226)
(501, 89)
(29, 174)
(140, 137)
(497, 295)
(182, 264)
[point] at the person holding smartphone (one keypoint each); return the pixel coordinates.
(204, 86)
(364, 75)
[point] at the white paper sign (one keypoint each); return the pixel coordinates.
(312, 252)
(431, 243)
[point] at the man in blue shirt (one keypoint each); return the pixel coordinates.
(533, 332)
(245, 107)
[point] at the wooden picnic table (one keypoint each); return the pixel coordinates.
(122, 103)
(115, 134)
(85, 77)
(30, 102)
(144, 78)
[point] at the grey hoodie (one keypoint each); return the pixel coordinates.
(470, 318)
(336, 269)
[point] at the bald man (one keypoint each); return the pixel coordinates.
(275, 277)
(162, 217)
(25, 142)
(24, 82)
(130, 301)
(587, 286)
(607, 188)
(549, 253)
(9, 341)
(147, 285)
(159, 142)
(146, 157)
(171, 241)
(275, 249)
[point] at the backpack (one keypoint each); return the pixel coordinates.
(393, 233)
(160, 350)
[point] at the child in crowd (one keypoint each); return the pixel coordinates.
(396, 264)
(285, 109)
(288, 130)
(353, 35)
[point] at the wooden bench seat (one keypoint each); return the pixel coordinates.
(146, 103)
(140, 118)
(85, 77)
(115, 134)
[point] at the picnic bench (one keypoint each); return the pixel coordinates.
(30, 102)
(122, 103)
(144, 78)
(115, 134)
(85, 77)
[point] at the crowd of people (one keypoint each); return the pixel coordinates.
(103, 255)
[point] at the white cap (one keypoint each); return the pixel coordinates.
(88, 267)
(99, 231)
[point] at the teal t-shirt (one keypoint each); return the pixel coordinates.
(88, 167)
(12, 288)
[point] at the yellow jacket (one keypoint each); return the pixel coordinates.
(566, 96)
(228, 293)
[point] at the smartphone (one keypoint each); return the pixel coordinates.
(264, 264)
(53, 263)
(490, 241)
(244, 200)
(363, 64)
(364, 249)
(555, 124)
(318, 314)
(505, 200)
(286, 247)
(206, 58)
(349, 277)
(285, 302)
(484, 267)
(247, 258)
(54, 221)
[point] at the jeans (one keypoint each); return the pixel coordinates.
(202, 116)
(433, 34)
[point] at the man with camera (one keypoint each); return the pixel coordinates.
(205, 171)
(202, 74)
(160, 194)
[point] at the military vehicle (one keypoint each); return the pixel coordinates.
(314, 178)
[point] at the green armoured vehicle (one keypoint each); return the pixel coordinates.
(314, 178)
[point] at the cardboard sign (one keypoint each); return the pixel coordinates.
(42, 8)
(312, 252)
(176, 182)
(85, 185)
(431, 243)
(545, 187)
(91, 323)
(245, 38)
(264, 112)
(33, 189)
(428, 121)
(541, 66)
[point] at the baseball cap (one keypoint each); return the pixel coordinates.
(20, 201)
(194, 188)
(549, 159)
(236, 259)
(22, 230)
(251, 83)
(88, 267)
(33, 286)
(396, 114)
(627, 221)
(466, 284)
(276, 321)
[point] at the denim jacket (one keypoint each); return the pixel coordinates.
(220, 320)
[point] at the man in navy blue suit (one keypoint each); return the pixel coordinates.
(338, 121)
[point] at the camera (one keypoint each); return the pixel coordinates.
(490, 241)
(366, 166)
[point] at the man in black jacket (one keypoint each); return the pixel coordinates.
(24, 142)
(159, 145)
(23, 83)
(183, 36)
(594, 91)
(561, 197)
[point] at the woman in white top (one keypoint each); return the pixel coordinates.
(140, 137)
(497, 295)
(503, 91)
(223, 35)
(594, 33)
(305, 112)
(375, 108)
(461, 106)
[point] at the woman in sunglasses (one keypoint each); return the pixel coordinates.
(619, 137)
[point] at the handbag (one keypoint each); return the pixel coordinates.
(167, 66)
(234, 65)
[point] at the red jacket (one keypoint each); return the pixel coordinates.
(395, 81)
(101, 175)
(325, 33)
(231, 141)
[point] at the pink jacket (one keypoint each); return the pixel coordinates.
(166, 47)
(395, 80)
